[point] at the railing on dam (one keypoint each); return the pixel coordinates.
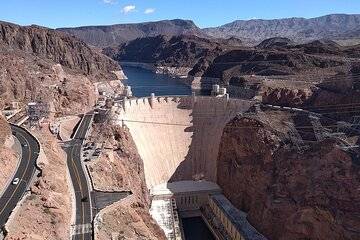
(186, 100)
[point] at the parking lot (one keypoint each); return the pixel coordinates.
(90, 151)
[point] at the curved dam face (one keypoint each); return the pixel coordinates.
(178, 138)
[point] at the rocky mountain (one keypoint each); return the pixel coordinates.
(103, 36)
(56, 46)
(178, 51)
(275, 57)
(43, 64)
(340, 27)
(275, 42)
(297, 29)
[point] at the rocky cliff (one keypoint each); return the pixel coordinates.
(104, 36)
(120, 168)
(9, 158)
(58, 47)
(297, 29)
(314, 195)
(40, 64)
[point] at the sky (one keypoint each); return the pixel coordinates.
(205, 13)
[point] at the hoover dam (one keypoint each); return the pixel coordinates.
(178, 137)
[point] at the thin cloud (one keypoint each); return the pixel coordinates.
(109, 1)
(149, 10)
(128, 9)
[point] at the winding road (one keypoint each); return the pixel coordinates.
(26, 170)
(83, 222)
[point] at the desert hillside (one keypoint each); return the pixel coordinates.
(104, 36)
(334, 26)
(9, 156)
(40, 64)
(343, 28)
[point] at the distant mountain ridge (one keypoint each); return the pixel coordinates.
(297, 29)
(103, 36)
(251, 32)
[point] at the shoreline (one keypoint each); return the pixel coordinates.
(196, 83)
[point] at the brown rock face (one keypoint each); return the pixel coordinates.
(58, 47)
(8, 157)
(39, 64)
(286, 97)
(315, 195)
(120, 168)
(5, 130)
(104, 36)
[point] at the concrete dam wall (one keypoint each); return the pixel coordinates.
(178, 137)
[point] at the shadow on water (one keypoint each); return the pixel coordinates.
(195, 229)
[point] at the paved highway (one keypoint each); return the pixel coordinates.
(13, 194)
(83, 222)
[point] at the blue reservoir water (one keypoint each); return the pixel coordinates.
(144, 82)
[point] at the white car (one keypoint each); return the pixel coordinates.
(15, 181)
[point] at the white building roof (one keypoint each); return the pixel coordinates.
(184, 187)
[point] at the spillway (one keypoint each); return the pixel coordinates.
(178, 137)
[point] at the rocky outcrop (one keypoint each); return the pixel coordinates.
(165, 52)
(9, 157)
(28, 78)
(296, 29)
(276, 42)
(120, 168)
(287, 195)
(286, 97)
(104, 36)
(40, 64)
(58, 47)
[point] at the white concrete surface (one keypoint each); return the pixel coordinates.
(162, 210)
(184, 187)
(178, 138)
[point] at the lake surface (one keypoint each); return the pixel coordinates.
(144, 82)
(196, 229)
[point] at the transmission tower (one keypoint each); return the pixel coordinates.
(37, 111)
(296, 138)
(320, 132)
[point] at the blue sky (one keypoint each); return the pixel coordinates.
(205, 13)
